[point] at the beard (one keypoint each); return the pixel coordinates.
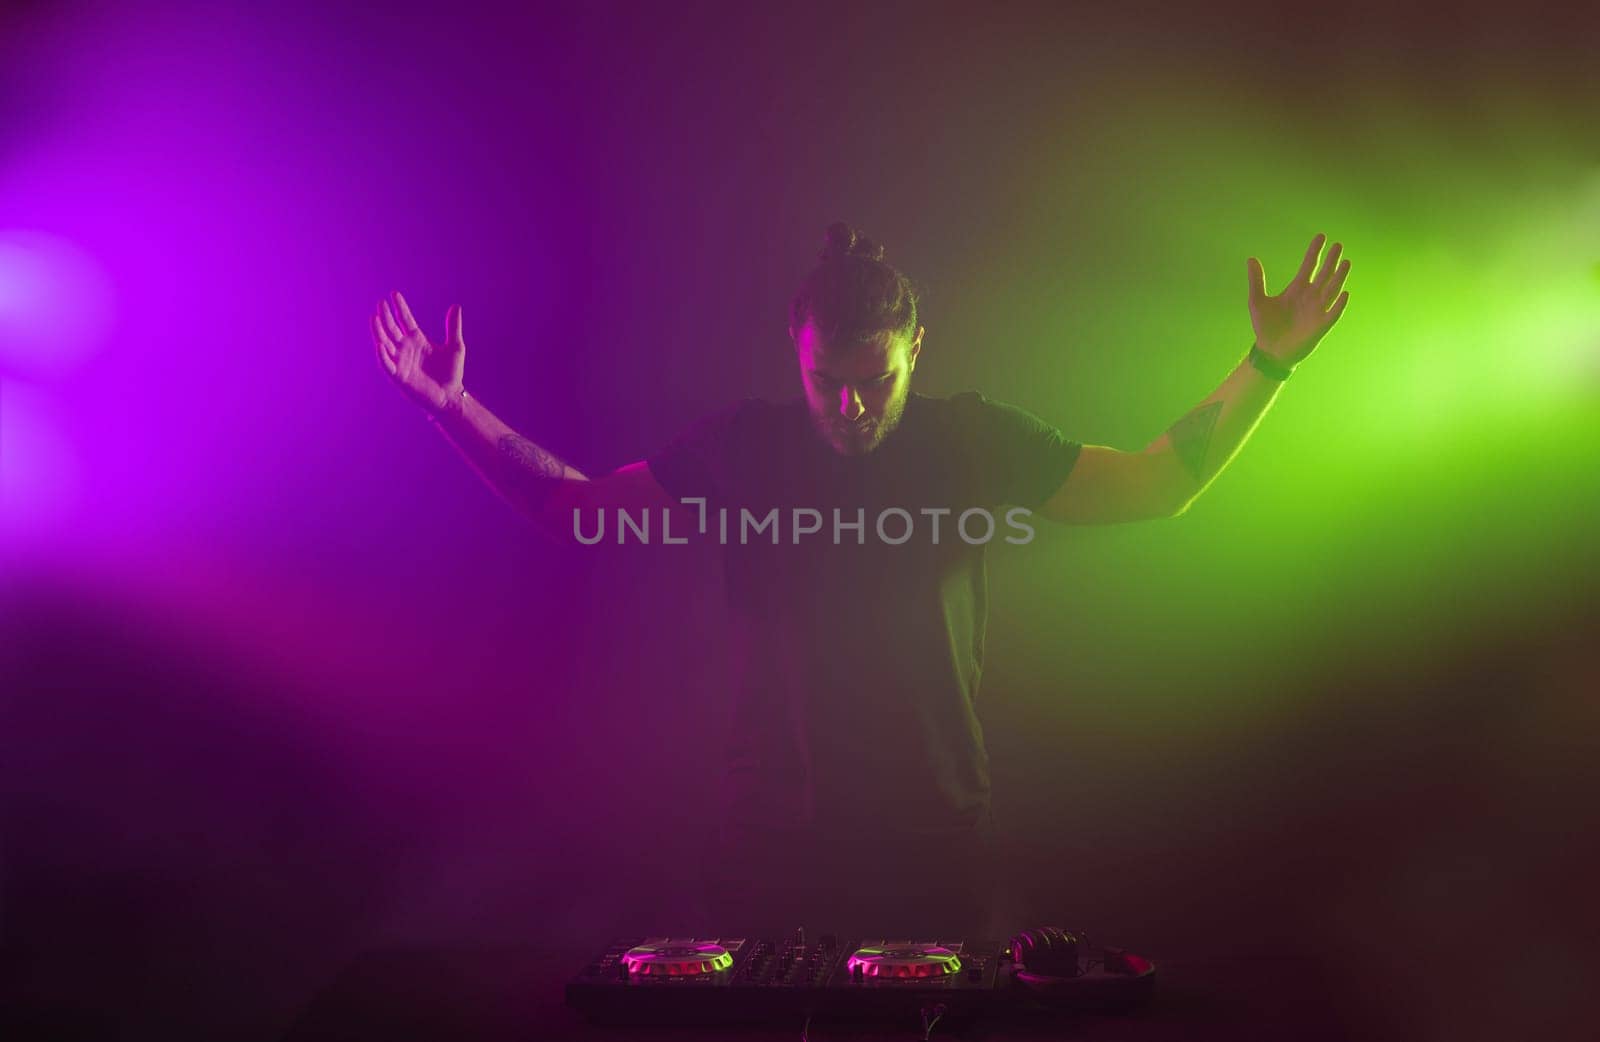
(841, 438)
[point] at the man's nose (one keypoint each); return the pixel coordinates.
(850, 406)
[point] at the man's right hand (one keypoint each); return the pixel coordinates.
(540, 486)
(430, 374)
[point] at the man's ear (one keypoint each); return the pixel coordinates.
(916, 347)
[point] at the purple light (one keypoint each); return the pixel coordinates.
(38, 466)
(56, 304)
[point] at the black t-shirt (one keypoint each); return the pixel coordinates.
(858, 651)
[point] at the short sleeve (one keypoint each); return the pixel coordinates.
(697, 463)
(1022, 458)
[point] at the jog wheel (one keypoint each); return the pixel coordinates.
(665, 957)
(904, 963)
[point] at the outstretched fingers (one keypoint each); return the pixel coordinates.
(407, 323)
(1330, 263)
(1338, 308)
(1258, 279)
(1304, 274)
(452, 326)
(390, 326)
(1336, 282)
(386, 351)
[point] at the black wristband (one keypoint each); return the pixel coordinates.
(1268, 365)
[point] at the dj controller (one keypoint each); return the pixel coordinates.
(700, 980)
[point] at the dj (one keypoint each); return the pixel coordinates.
(857, 783)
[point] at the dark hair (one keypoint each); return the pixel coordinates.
(852, 296)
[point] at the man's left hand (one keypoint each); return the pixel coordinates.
(1289, 324)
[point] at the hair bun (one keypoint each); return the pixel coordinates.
(843, 241)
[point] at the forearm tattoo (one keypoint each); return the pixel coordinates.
(534, 469)
(1191, 437)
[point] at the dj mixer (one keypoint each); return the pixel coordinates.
(701, 980)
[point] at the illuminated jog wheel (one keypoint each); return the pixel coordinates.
(670, 958)
(904, 963)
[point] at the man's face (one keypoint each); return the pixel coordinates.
(856, 393)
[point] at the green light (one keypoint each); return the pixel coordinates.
(1427, 475)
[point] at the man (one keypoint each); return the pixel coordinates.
(853, 521)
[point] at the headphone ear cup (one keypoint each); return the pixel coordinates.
(1022, 944)
(1048, 951)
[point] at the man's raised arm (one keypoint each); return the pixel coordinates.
(533, 480)
(1106, 485)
